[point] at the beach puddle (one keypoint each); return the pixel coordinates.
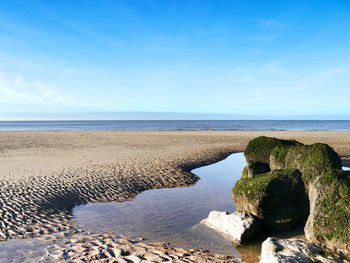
(173, 215)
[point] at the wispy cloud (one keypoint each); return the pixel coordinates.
(309, 85)
(7, 59)
(19, 91)
(272, 67)
(320, 78)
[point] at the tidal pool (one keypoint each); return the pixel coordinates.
(172, 214)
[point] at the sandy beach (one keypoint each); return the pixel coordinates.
(43, 175)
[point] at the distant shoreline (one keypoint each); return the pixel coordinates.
(177, 125)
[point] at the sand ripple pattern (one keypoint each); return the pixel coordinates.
(88, 247)
(38, 206)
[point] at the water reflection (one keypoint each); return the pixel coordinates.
(172, 215)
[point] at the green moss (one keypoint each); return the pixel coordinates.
(313, 160)
(245, 172)
(279, 154)
(257, 186)
(328, 179)
(253, 186)
(277, 197)
(270, 195)
(260, 148)
(332, 217)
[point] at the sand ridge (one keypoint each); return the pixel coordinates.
(43, 175)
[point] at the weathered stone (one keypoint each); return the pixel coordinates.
(277, 197)
(274, 250)
(260, 148)
(238, 226)
(278, 157)
(329, 219)
(310, 160)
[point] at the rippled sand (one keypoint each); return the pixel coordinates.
(43, 175)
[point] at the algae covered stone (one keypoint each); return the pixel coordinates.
(260, 148)
(329, 221)
(310, 160)
(278, 198)
(278, 157)
(304, 179)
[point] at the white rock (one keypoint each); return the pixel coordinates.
(294, 250)
(238, 226)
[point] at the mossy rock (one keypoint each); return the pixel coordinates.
(278, 198)
(310, 160)
(260, 148)
(255, 168)
(278, 156)
(329, 220)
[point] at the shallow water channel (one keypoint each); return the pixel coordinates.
(173, 215)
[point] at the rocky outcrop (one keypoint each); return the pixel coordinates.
(274, 250)
(260, 148)
(328, 190)
(278, 198)
(238, 226)
(303, 179)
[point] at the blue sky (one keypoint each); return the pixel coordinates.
(261, 58)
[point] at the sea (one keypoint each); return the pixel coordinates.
(177, 125)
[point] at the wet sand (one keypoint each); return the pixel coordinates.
(43, 175)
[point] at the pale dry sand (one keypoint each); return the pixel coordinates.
(43, 175)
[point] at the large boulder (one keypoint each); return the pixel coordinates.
(280, 201)
(274, 250)
(310, 160)
(278, 198)
(329, 220)
(238, 226)
(260, 148)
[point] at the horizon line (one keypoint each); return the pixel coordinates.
(72, 120)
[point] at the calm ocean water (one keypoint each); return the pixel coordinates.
(154, 125)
